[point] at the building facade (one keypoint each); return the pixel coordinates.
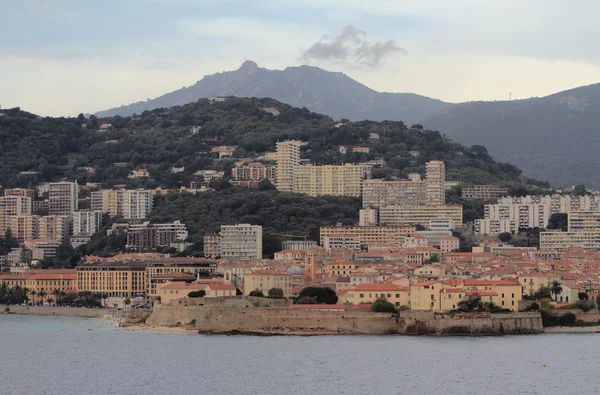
(151, 236)
(86, 222)
(435, 183)
(264, 280)
(420, 215)
(363, 236)
(131, 204)
(11, 206)
(241, 242)
(379, 193)
(335, 180)
(63, 197)
(484, 192)
(288, 158)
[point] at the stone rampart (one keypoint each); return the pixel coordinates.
(128, 316)
(225, 319)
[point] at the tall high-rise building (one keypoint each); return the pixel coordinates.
(19, 192)
(242, 242)
(54, 227)
(11, 206)
(336, 180)
(24, 227)
(288, 158)
(436, 183)
(381, 193)
(148, 236)
(131, 204)
(86, 222)
(63, 197)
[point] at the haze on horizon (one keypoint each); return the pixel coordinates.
(63, 57)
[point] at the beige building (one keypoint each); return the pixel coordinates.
(24, 227)
(367, 217)
(484, 192)
(131, 204)
(54, 227)
(288, 158)
(370, 292)
(379, 193)
(11, 206)
(254, 171)
(212, 245)
(336, 180)
(264, 280)
(436, 183)
(63, 197)
(584, 232)
(449, 244)
(241, 242)
(420, 215)
(491, 227)
(20, 192)
(525, 215)
(86, 222)
(365, 235)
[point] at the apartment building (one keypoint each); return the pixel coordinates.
(558, 203)
(242, 242)
(584, 232)
(380, 193)
(253, 171)
(63, 197)
(47, 280)
(288, 158)
(54, 227)
(420, 215)
(368, 217)
(300, 245)
(363, 236)
(131, 204)
(336, 180)
(20, 192)
(435, 185)
(484, 192)
(489, 227)
(212, 245)
(264, 280)
(24, 227)
(151, 236)
(11, 206)
(86, 222)
(525, 215)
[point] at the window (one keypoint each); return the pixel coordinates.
(449, 296)
(513, 302)
(389, 295)
(397, 295)
(502, 295)
(361, 295)
(513, 295)
(502, 303)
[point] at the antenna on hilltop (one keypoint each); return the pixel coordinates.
(509, 95)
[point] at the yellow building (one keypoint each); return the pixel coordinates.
(336, 180)
(24, 227)
(264, 280)
(54, 227)
(11, 206)
(381, 193)
(369, 293)
(117, 279)
(288, 159)
(366, 235)
(436, 184)
(509, 292)
(532, 282)
(335, 269)
(46, 280)
(419, 215)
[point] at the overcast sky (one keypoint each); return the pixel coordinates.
(63, 57)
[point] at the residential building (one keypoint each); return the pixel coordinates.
(138, 173)
(364, 236)
(298, 245)
(489, 227)
(86, 222)
(367, 217)
(11, 206)
(288, 158)
(264, 280)
(63, 197)
(47, 280)
(131, 204)
(42, 248)
(369, 292)
(583, 232)
(435, 183)
(241, 242)
(116, 279)
(419, 215)
(254, 171)
(558, 203)
(449, 244)
(524, 215)
(54, 227)
(484, 192)
(151, 236)
(24, 227)
(434, 237)
(20, 192)
(336, 180)
(379, 193)
(212, 245)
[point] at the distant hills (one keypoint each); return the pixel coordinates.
(552, 138)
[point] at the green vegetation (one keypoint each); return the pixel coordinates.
(505, 237)
(319, 295)
(197, 294)
(381, 305)
(281, 214)
(548, 319)
(276, 293)
(257, 293)
(162, 138)
(558, 221)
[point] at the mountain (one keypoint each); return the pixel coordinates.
(554, 138)
(321, 91)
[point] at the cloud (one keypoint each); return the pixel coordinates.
(351, 46)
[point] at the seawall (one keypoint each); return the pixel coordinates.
(227, 319)
(125, 316)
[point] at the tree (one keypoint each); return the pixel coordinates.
(127, 302)
(257, 292)
(104, 297)
(321, 295)
(56, 294)
(197, 294)
(598, 301)
(505, 237)
(33, 293)
(42, 295)
(558, 221)
(381, 305)
(50, 301)
(583, 296)
(555, 288)
(580, 190)
(276, 293)
(306, 300)
(472, 303)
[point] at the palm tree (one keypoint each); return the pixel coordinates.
(50, 300)
(56, 294)
(42, 294)
(556, 288)
(26, 295)
(33, 293)
(104, 297)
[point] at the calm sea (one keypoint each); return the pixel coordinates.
(65, 355)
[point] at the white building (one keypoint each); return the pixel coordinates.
(241, 242)
(86, 222)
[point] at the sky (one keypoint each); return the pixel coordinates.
(64, 57)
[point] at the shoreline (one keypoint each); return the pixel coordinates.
(572, 329)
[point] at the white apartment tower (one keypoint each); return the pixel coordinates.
(288, 157)
(63, 197)
(86, 222)
(436, 183)
(241, 242)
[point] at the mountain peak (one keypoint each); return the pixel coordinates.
(249, 65)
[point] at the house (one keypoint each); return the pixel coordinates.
(216, 290)
(374, 136)
(569, 294)
(106, 127)
(370, 292)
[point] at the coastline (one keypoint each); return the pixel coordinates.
(572, 329)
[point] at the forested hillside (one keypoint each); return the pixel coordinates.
(160, 139)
